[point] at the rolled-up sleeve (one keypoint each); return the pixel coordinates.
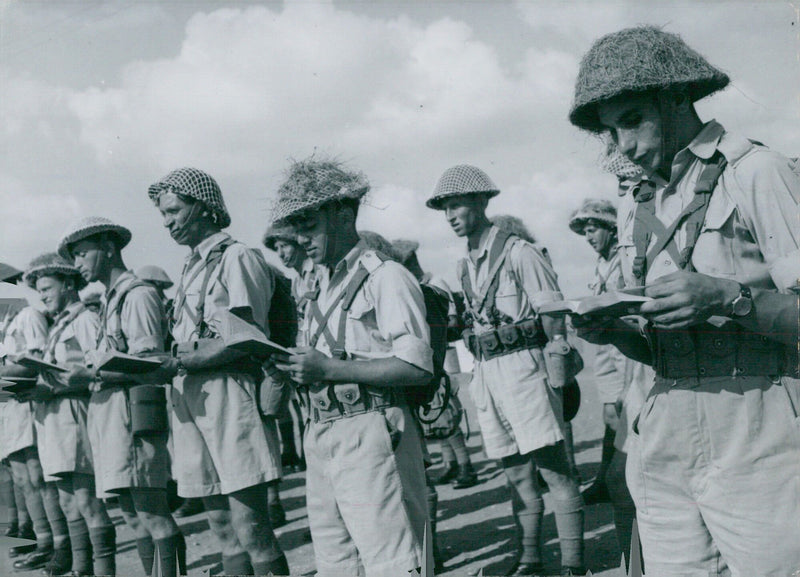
(535, 275)
(142, 319)
(400, 314)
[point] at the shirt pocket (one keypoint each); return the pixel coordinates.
(714, 252)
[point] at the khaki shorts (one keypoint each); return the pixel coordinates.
(715, 474)
(62, 438)
(221, 443)
(17, 429)
(366, 493)
(518, 411)
(122, 461)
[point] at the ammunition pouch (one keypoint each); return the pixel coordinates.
(710, 351)
(505, 339)
(329, 403)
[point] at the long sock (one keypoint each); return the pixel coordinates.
(8, 497)
(286, 429)
(81, 546)
(104, 543)
(277, 566)
(569, 448)
(55, 515)
(41, 526)
(529, 520)
(448, 456)
(569, 523)
(166, 553)
(459, 447)
(147, 553)
(238, 564)
(22, 507)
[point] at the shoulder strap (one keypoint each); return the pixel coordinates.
(646, 223)
(52, 338)
(484, 298)
(119, 342)
(197, 315)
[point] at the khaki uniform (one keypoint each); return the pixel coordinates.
(365, 479)
(25, 333)
(221, 443)
(715, 466)
(61, 431)
(121, 460)
(518, 410)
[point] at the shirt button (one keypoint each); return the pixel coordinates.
(667, 262)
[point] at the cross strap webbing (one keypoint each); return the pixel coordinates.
(484, 299)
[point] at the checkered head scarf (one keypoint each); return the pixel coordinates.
(311, 183)
(50, 264)
(612, 160)
(195, 184)
(459, 181)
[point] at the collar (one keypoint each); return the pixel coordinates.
(126, 277)
(611, 254)
(486, 243)
(68, 311)
(350, 260)
(207, 244)
(705, 144)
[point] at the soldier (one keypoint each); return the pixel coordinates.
(365, 477)
(128, 463)
(61, 415)
(596, 220)
(712, 472)
(283, 242)
(455, 456)
(224, 452)
(519, 403)
(25, 333)
(158, 277)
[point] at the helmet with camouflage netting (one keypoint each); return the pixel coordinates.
(638, 60)
(461, 180)
(195, 184)
(311, 183)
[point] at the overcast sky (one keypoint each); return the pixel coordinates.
(99, 100)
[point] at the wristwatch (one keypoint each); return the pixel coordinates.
(742, 304)
(180, 368)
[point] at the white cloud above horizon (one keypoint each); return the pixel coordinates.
(394, 91)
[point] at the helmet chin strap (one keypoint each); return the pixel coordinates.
(668, 109)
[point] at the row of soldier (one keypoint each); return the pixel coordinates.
(698, 389)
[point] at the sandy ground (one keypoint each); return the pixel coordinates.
(475, 527)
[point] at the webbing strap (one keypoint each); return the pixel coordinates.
(647, 224)
(103, 334)
(52, 338)
(497, 256)
(345, 298)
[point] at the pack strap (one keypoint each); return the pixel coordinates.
(497, 256)
(65, 321)
(693, 216)
(345, 299)
(122, 345)
(198, 315)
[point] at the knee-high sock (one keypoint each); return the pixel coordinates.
(147, 553)
(238, 564)
(9, 498)
(448, 455)
(529, 517)
(104, 544)
(166, 554)
(608, 452)
(277, 566)
(286, 429)
(38, 515)
(569, 523)
(55, 515)
(81, 546)
(459, 447)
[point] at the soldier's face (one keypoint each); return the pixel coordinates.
(312, 230)
(291, 255)
(599, 237)
(91, 258)
(635, 125)
(54, 293)
(183, 219)
(464, 213)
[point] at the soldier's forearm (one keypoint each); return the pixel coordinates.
(209, 353)
(388, 372)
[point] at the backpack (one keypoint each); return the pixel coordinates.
(282, 316)
(436, 306)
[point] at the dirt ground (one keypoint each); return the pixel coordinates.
(475, 528)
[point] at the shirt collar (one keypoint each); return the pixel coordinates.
(68, 310)
(486, 243)
(207, 244)
(124, 278)
(704, 145)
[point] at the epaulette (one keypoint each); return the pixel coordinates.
(372, 259)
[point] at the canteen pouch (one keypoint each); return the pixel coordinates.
(273, 393)
(555, 361)
(148, 405)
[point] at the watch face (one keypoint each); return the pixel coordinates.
(742, 306)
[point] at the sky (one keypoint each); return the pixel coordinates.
(100, 99)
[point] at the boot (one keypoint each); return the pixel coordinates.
(188, 508)
(35, 560)
(13, 529)
(60, 563)
(572, 571)
(523, 568)
(467, 477)
(448, 474)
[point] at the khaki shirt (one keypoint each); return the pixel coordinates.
(751, 231)
(139, 325)
(70, 340)
(386, 318)
(241, 281)
(302, 283)
(608, 273)
(26, 333)
(525, 280)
